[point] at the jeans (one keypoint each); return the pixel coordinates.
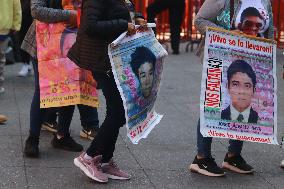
(204, 145)
(37, 114)
(104, 142)
(88, 116)
(176, 11)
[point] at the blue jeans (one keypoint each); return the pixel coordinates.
(204, 145)
(37, 114)
(88, 116)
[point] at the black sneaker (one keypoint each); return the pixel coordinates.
(89, 134)
(31, 147)
(66, 143)
(51, 127)
(237, 164)
(206, 166)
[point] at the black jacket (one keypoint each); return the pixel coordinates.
(102, 21)
(253, 115)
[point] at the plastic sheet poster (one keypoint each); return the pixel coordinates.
(62, 82)
(137, 65)
(238, 88)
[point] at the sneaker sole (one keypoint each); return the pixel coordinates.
(116, 177)
(86, 172)
(195, 169)
(226, 165)
(86, 136)
(47, 128)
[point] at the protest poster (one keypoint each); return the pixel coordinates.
(62, 82)
(238, 88)
(137, 66)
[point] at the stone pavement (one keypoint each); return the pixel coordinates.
(160, 161)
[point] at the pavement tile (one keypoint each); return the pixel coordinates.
(73, 178)
(11, 151)
(12, 177)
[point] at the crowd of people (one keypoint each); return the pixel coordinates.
(99, 21)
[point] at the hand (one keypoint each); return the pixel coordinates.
(131, 29)
(72, 22)
(143, 24)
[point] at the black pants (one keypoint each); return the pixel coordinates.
(176, 11)
(88, 116)
(104, 142)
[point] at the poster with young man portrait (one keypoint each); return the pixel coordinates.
(238, 90)
(137, 65)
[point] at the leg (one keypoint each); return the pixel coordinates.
(36, 113)
(62, 139)
(3, 46)
(65, 115)
(88, 116)
(89, 121)
(36, 116)
(176, 17)
(154, 8)
(104, 143)
(203, 144)
(235, 147)
(203, 163)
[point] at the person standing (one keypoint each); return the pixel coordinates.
(10, 14)
(229, 14)
(176, 11)
(104, 21)
(49, 11)
(26, 22)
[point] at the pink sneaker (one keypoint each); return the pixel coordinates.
(91, 168)
(112, 171)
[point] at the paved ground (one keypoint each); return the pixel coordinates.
(160, 161)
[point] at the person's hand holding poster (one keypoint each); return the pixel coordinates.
(137, 63)
(238, 96)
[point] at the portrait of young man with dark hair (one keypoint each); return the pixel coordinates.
(241, 87)
(143, 63)
(251, 22)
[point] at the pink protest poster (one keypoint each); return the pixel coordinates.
(62, 82)
(238, 90)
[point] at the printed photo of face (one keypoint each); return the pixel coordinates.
(67, 41)
(146, 78)
(143, 63)
(241, 90)
(251, 22)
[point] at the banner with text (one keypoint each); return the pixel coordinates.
(62, 82)
(238, 88)
(137, 65)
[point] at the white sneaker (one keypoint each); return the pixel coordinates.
(2, 90)
(26, 69)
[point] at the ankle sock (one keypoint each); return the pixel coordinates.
(87, 157)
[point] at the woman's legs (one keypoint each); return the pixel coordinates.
(104, 143)
(36, 116)
(203, 144)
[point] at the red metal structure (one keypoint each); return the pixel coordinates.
(189, 33)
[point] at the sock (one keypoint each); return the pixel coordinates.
(87, 157)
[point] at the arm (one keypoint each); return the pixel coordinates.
(17, 15)
(207, 14)
(41, 12)
(95, 26)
